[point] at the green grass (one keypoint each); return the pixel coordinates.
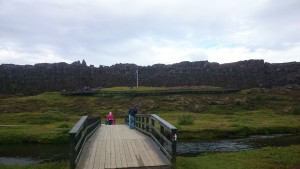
(150, 89)
(34, 134)
(35, 128)
(266, 158)
(238, 124)
(53, 165)
(185, 120)
(42, 118)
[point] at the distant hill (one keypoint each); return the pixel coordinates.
(32, 79)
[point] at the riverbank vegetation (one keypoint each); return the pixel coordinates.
(50, 165)
(47, 117)
(266, 158)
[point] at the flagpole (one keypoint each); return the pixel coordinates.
(137, 77)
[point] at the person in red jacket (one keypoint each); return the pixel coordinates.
(110, 118)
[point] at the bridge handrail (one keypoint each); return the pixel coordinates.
(79, 134)
(142, 124)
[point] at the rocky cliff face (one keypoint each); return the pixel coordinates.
(32, 79)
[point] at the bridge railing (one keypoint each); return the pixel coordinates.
(79, 134)
(164, 134)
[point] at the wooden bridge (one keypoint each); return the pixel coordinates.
(117, 146)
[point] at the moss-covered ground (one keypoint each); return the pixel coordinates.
(266, 158)
(47, 118)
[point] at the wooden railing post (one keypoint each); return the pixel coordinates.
(140, 119)
(158, 135)
(72, 150)
(85, 129)
(147, 121)
(153, 126)
(78, 136)
(143, 125)
(136, 119)
(162, 131)
(174, 142)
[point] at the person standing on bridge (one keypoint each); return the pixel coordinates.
(110, 118)
(132, 111)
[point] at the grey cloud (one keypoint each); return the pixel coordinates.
(106, 32)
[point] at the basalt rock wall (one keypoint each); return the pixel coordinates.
(32, 79)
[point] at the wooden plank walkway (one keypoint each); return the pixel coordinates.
(117, 146)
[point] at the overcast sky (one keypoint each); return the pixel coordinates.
(146, 32)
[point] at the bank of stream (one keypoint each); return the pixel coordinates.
(232, 145)
(24, 154)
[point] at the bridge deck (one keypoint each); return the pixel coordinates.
(117, 146)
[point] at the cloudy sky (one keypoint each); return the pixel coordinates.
(146, 32)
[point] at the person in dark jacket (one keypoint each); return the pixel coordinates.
(132, 111)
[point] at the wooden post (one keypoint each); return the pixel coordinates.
(174, 142)
(140, 125)
(72, 150)
(162, 131)
(143, 120)
(153, 126)
(135, 119)
(147, 121)
(99, 120)
(125, 120)
(85, 128)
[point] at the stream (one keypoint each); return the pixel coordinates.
(233, 145)
(24, 154)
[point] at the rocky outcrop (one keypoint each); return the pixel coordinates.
(32, 79)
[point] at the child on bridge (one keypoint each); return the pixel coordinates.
(110, 118)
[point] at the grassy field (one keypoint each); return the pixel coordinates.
(54, 165)
(236, 124)
(44, 118)
(266, 158)
(151, 89)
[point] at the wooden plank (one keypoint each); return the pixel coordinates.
(115, 128)
(117, 146)
(144, 153)
(122, 154)
(83, 160)
(92, 155)
(107, 154)
(112, 154)
(120, 132)
(128, 157)
(137, 153)
(151, 153)
(102, 157)
(160, 158)
(99, 155)
(118, 159)
(131, 152)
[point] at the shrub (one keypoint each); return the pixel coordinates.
(64, 125)
(186, 120)
(296, 111)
